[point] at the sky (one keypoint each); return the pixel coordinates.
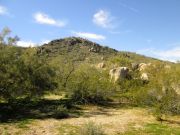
(149, 27)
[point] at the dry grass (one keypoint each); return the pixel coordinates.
(54, 97)
(113, 121)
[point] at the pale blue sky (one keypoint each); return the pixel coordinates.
(150, 27)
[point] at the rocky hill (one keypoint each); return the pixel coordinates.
(66, 45)
(87, 50)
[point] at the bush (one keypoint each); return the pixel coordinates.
(88, 85)
(91, 128)
(61, 112)
(121, 61)
(23, 74)
(169, 104)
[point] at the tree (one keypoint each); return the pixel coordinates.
(88, 85)
(5, 31)
(6, 39)
(13, 40)
(24, 74)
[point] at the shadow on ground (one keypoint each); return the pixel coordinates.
(41, 109)
(171, 122)
(24, 109)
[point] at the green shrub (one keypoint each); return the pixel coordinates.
(61, 112)
(169, 104)
(91, 128)
(121, 61)
(23, 74)
(88, 85)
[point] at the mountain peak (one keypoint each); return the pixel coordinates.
(77, 44)
(73, 41)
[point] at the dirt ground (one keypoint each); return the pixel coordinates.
(113, 121)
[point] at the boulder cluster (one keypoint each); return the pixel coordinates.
(118, 73)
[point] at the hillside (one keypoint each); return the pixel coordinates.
(79, 47)
(74, 53)
(75, 86)
(70, 44)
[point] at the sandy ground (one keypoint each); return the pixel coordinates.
(112, 120)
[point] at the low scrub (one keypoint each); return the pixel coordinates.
(91, 128)
(61, 112)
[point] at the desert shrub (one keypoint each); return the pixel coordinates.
(146, 97)
(130, 85)
(88, 85)
(121, 61)
(169, 103)
(64, 68)
(160, 94)
(61, 112)
(23, 74)
(164, 80)
(91, 128)
(132, 91)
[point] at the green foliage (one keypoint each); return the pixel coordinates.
(64, 68)
(91, 128)
(88, 85)
(169, 104)
(130, 85)
(154, 129)
(24, 124)
(160, 92)
(31, 72)
(121, 60)
(23, 74)
(161, 129)
(6, 39)
(61, 112)
(165, 83)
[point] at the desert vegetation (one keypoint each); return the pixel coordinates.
(67, 68)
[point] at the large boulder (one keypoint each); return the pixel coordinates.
(119, 73)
